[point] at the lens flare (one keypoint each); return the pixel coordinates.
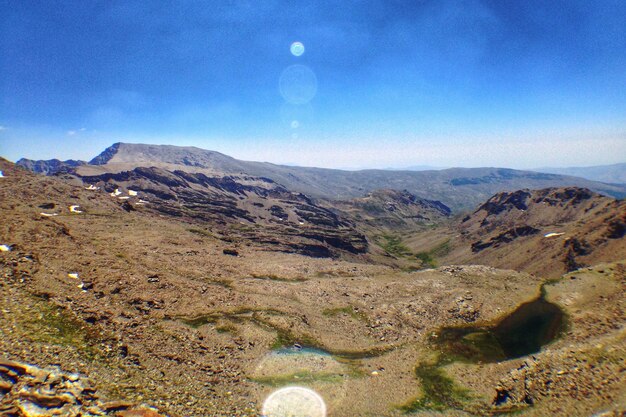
(298, 84)
(294, 402)
(302, 113)
(297, 48)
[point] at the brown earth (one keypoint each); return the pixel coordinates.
(546, 232)
(160, 313)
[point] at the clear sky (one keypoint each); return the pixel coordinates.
(382, 83)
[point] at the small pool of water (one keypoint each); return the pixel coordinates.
(523, 332)
(299, 364)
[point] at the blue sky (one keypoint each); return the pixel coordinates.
(381, 83)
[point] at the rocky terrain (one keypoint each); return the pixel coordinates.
(547, 232)
(174, 306)
(392, 209)
(263, 212)
(457, 188)
(27, 390)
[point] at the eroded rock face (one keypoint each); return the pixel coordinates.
(555, 204)
(286, 221)
(29, 391)
(548, 232)
(504, 237)
(393, 209)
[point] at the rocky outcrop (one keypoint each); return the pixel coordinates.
(505, 201)
(505, 237)
(522, 200)
(548, 231)
(30, 391)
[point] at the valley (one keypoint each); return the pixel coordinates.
(198, 284)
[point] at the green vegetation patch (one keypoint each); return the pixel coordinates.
(304, 377)
(226, 328)
(272, 277)
(393, 245)
(236, 315)
(55, 325)
(428, 258)
(286, 338)
(439, 392)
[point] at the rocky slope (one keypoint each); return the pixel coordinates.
(392, 209)
(253, 210)
(155, 311)
(457, 188)
(548, 232)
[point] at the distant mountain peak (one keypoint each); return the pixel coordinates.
(179, 155)
(456, 188)
(106, 155)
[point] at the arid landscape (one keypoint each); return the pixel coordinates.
(160, 280)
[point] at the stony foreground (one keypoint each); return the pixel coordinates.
(29, 391)
(154, 310)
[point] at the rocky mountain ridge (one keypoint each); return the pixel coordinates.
(548, 232)
(255, 210)
(393, 210)
(49, 167)
(458, 188)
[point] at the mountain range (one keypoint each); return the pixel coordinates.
(458, 188)
(613, 174)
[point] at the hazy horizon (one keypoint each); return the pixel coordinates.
(437, 83)
(355, 168)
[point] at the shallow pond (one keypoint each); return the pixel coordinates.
(523, 332)
(305, 365)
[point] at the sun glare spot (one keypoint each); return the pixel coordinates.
(294, 402)
(298, 84)
(297, 48)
